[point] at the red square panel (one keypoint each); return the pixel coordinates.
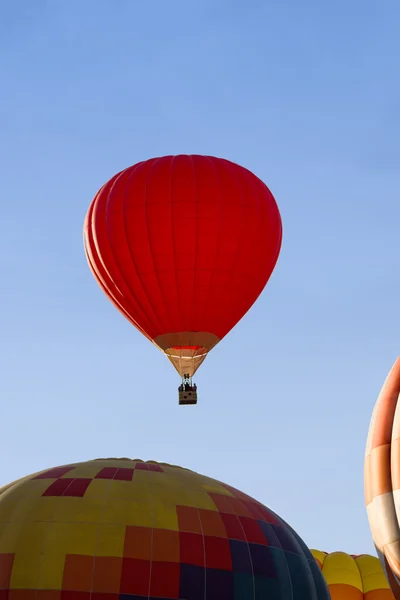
(6, 564)
(155, 468)
(142, 466)
(99, 596)
(4, 594)
(188, 519)
(236, 493)
(67, 487)
(268, 516)
(218, 553)
(107, 473)
(48, 595)
(261, 513)
(222, 503)
(22, 594)
(78, 573)
(78, 487)
(75, 595)
(107, 574)
(191, 549)
(255, 511)
(135, 576)
(233, 527)
(54, 473)
(165, 578)
(253, 531)
(138, 542)
(239, 507)
(124, 475)
(165, 546)
(212, 523)
(58, 487)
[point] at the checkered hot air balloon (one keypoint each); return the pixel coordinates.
(183, 246)
(382, 477)
(353, 577)
(119, 529)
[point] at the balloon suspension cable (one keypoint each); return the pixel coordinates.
(187, 380)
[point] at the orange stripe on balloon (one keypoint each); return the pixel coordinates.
(319, 563)
(343, 591)
(392, 560)
(386, 407)
(367, 480)
(385, 594)
(381, 480)
(394, 586)
(395, 464)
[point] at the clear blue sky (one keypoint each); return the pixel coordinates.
(306, 95)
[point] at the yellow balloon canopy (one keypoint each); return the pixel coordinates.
(351, 577)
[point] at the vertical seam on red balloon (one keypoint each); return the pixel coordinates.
(240, 240)
(173, 237)
(245, 176)
(196, 200)
(131, 254)
(132, 297)
(217, 251)
(276, 217)
(150, 304)
(151, 246)
(100, 268)
(107, 284)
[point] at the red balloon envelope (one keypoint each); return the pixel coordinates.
(183, 246)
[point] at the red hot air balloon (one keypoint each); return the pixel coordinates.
(183, 246)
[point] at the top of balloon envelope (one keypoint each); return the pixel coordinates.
(183, 246)
(118, 528)
(353, 577)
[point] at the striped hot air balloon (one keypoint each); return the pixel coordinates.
(353, 577)
(382, 477)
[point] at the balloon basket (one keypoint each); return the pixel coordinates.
(187, 397)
